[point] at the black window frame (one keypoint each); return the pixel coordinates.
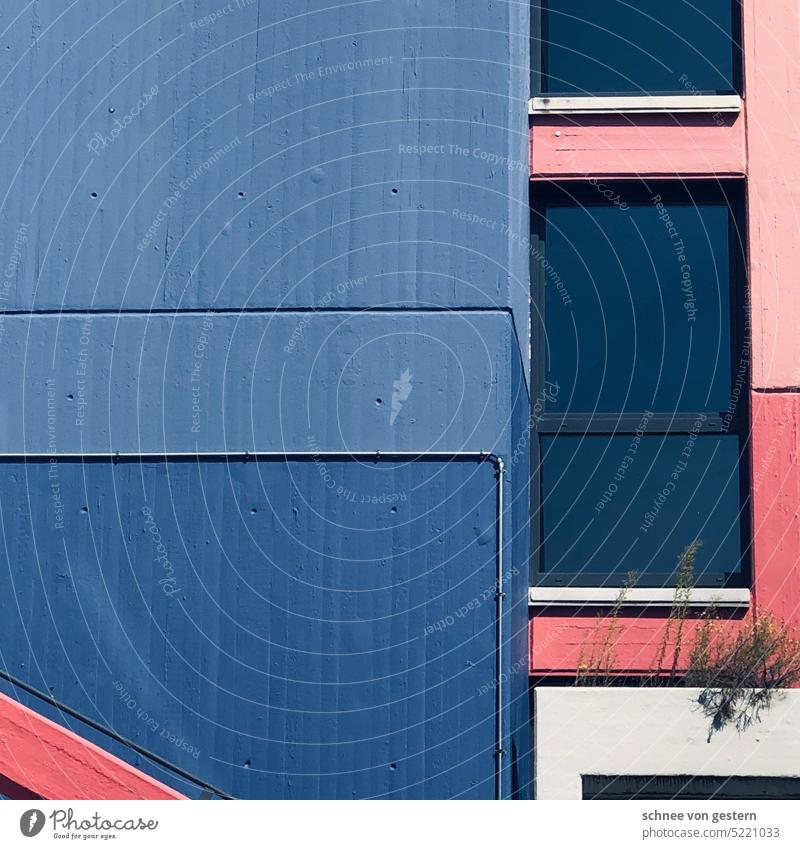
(730, 192)
(539, 36)
(689, 787)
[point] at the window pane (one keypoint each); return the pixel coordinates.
(617, 504)
(637, 46)
(637, 307)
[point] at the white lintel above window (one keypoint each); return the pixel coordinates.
(635, 105)
(723, 597)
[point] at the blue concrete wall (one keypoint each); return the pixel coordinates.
(226, 381)
(236, 226)
(260, 649)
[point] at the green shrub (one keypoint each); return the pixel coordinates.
(740, 668)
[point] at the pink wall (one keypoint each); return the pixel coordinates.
(772, 79)
(54, 763)
(642, 145)
(763, 143)
(556, 642)
(776, 502)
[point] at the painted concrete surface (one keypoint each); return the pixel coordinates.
(278, 169)
(264, 155)
(560, 642)
(637, 146)
(304, 630)
(772, 79)
(634, 731)
(557, 637)
(776, 496)
(54, 763)
(295, 381)
(766, 142)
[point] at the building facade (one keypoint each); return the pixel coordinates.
(683, 166)
(354, 355)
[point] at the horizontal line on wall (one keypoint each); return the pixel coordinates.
(726, 597)
(253, 311)
(253, 456)
(635, 104)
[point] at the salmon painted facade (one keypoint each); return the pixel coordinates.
(356, 357)
(756, 146)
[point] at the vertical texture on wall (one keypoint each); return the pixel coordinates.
(776, 496)
(268, 226)
(772, 75)
(252, 645)
(192, 156)
(772, 80)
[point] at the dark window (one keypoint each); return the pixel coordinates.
(689, 787)
(627, 323)
(636, 47)
(641, 380)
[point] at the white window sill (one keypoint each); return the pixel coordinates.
(725, 597)
(634, 104)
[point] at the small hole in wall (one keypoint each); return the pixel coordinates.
(253, 510)
(84, 509)
(378, 402)
(94, 194)
(70, 396)
(394, 509)
(246, 764)
(393, 766)
(394, 191)
(240, 195)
